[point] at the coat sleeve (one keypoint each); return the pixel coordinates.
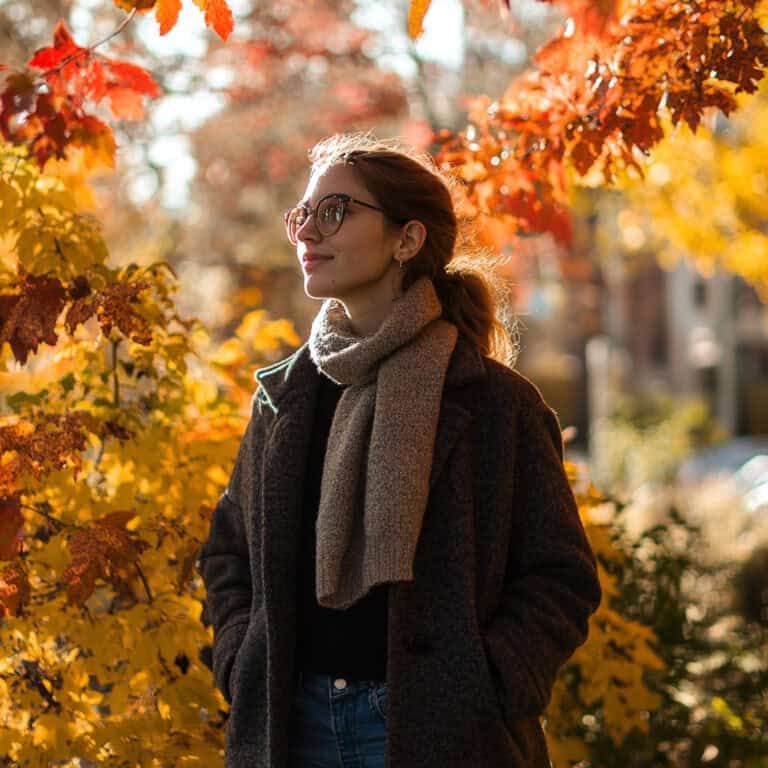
(551, 585)
(224, 563)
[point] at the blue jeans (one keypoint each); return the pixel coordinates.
(338, 723)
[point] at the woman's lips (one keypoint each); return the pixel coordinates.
(310, 262)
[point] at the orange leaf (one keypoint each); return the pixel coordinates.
(167, 14)
(126, 104)
(119, 518)
(217, 16)
(416, 14)
(142, 6)
(95, 138)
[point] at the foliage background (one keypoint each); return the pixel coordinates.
(133, 318)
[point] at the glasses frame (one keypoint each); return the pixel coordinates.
(312, 212)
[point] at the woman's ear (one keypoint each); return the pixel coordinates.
(412, 237)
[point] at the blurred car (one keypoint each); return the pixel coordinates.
(743, 461)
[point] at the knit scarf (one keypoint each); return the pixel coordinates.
(378, 460)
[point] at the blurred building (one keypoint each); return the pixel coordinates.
(681, 332)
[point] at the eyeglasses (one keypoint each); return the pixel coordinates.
(328, 215)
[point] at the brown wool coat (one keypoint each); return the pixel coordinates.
(504, 582)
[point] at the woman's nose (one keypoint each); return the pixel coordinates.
(308, 230)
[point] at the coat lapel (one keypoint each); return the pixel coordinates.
(466, 365)
(293, 390)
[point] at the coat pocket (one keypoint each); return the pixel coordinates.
(226, 647)
(247, 675)
(234, 670)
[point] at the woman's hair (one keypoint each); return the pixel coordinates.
(408, 185)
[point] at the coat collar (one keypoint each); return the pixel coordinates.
(296, 377)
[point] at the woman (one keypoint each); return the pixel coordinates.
(397, 569)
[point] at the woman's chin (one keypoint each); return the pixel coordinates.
(317, 289)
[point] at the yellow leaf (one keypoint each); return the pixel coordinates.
(229, 353)
(250, 324)
(274, 334)
(164, 709)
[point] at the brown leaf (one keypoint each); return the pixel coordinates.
(104, 550)
(11, 526)
(53, 441)
(188, 557)
(116, 307)
(14, 589)
(28, 317)
(79, 311)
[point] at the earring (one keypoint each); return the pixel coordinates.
(400, 262)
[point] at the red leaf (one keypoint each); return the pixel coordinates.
(63, 46)
(125, 75)
(583, 154)
(80, 578)
(91, 133)
(91, 76)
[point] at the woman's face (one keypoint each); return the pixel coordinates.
(355, 265)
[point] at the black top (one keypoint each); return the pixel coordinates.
(351, 642)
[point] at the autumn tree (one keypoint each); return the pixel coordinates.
(115, 444)
(596, 103)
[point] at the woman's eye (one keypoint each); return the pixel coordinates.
(330, 214)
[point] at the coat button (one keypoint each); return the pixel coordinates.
(340, 683)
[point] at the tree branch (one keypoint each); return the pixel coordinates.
(144, 581)
(115, 378)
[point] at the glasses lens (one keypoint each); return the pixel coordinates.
(330, 214)
(293, 221)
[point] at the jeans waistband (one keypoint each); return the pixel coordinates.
(337, 684)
